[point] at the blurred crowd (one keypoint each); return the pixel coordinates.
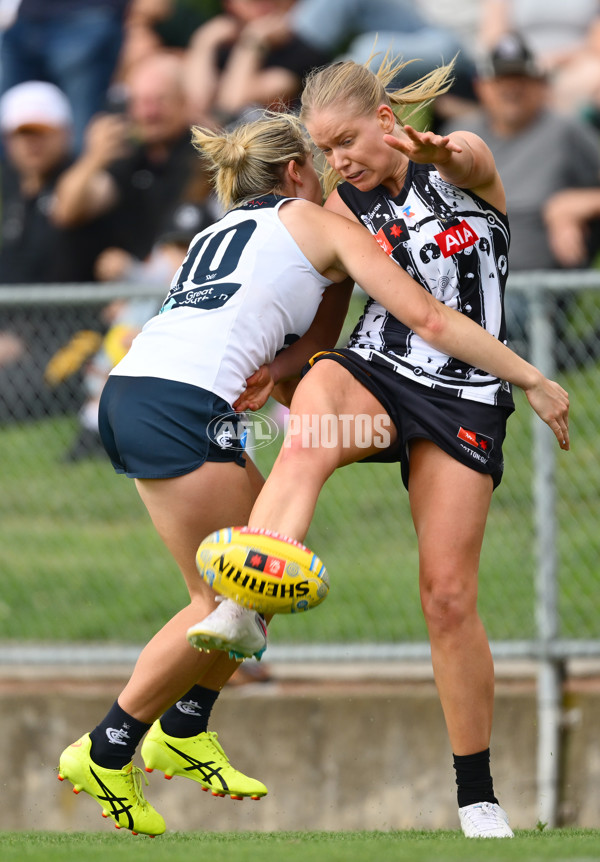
(100, 183)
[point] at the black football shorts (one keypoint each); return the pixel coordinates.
(470, 431)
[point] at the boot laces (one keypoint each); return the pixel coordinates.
(137, 776)
(230, 609)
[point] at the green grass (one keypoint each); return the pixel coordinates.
(577, 845)
(73, 537)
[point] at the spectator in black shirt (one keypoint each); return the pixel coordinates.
(36, 125)
(135, 164)
(247, 58)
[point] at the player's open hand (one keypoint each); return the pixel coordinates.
(423, 147)
(551, 403)
(258, 388)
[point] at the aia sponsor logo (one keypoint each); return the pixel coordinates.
(482, 444)
(273, 566)
(456, 238)
(392, 234)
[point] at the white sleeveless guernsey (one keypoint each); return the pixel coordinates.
(244, 291)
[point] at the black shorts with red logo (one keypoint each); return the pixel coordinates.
(470, 431)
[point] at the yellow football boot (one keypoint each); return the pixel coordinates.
(200, 758)
(119, 791)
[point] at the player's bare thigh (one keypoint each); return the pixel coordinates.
(185, 509)
(363, 426)
(449, 504)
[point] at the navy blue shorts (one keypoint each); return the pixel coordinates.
(157, 429)
(469, 431)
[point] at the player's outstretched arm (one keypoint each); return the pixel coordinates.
(462, 158)
(338, 247)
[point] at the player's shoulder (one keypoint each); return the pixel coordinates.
(349, 201)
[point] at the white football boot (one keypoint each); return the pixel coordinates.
(232, 628)
(484, 820)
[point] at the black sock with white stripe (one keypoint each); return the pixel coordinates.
(116, 738)
(190, 715)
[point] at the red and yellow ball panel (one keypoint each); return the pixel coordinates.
(262, 570)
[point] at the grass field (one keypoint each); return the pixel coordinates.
(74, 536)
(573, 845)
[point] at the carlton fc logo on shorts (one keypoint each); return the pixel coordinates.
(478, 445)
(456, 238)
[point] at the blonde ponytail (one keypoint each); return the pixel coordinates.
(250, 160)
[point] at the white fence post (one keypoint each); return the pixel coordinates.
(542, 340)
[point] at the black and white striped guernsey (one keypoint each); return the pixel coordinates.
(455, 245)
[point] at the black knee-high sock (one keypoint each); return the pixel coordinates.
(189, 716)
(116, 738)
(475, 783)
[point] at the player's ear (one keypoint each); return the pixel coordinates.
(386, 119)
(293, 172)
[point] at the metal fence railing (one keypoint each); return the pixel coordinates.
(86, 580)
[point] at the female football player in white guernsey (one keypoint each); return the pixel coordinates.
(250, 283)
(436, 205)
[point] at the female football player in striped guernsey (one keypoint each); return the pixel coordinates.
(436, 205)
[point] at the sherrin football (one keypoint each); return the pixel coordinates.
(262, 570)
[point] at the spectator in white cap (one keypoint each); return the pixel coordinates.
(36, 125)
(37, 133)
(35, 104)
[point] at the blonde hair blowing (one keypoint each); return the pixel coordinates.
(360, 91)
(250, 160)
